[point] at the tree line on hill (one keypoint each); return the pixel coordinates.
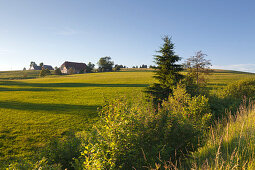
(105, 64)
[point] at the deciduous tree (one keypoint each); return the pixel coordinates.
(105, 63)
(90, 67)
(197, 67)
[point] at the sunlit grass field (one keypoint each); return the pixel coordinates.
(33, 110)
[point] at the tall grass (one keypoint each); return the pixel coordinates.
(229, 146)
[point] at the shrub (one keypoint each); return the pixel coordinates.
(44, 72)
(62, 152)
(26, 164)
(71, 70)
(240, 88)
(231, 97)
(132, 135)
(57, 71)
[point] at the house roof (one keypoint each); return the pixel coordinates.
(76, 66)
(37, 67)
(48, 67)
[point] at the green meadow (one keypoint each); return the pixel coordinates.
(34, 110)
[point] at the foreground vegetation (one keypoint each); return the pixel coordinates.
(230, 145)
(33, 111)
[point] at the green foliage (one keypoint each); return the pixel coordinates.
(57, 71)
(133, 134)
(117, 67)
(229, 147)
(33, 110)
(44, 72)
(26, 164)
(240, 89)
(32, 64)
(195, 89)
(105, 64)
(90, 67)
(62, 152)
(71, 70)
(41, 64)
(198, 67)
(167, 72)
(232, 96)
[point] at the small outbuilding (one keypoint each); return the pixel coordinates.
(74, 67)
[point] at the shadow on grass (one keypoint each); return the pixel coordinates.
(16, 83)
(217, 84)
(232, 72)
(60, 108)
(27, 89)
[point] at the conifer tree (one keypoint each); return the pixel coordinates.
(167, 72)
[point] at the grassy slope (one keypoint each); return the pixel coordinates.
(34, 110)
(28, 74)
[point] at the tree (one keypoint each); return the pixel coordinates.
(32, 64)
(57, 71)
(143, 66)
(197, 67)
(117, 67)
(167, 72)
(41, 64)
(44, 72)
(90, 67)
(105, 63)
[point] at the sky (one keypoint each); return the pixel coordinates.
(129, 31)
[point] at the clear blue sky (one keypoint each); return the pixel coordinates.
(130, 31)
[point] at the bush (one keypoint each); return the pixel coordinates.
(71, 70)
(240, 89)
(231, 97)
(26, 164)
(132, 135)
(44, 72)
(62, 152)
(57, 71)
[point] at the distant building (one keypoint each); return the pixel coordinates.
(49, 67)
(35, 67)
(77, 67)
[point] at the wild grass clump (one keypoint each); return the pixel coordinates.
(231, 146)
(136, 135)
(56, 155)
(26, 164)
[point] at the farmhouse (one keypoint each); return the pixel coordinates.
(76, 67)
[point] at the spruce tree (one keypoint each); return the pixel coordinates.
(167, 72)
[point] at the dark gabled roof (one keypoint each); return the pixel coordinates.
(48, 67)
(76, 66)
(37, 67)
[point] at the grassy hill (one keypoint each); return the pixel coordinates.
(34, 110)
